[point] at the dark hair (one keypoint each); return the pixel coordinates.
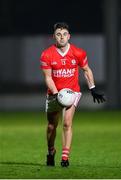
(61, 25)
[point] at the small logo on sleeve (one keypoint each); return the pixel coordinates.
(43, 63)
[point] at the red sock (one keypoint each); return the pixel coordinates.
(65, 153)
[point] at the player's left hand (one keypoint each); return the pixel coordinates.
(97, 96)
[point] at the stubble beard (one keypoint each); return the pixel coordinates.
(62, 45)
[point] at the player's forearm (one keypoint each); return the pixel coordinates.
(89, 78)
(51, 85)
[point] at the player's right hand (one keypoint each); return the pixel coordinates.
(55, 95)
(55, 98)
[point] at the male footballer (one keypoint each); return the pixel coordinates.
(60, 64)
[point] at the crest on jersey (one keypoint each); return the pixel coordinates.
(63, 61)
(73, 61)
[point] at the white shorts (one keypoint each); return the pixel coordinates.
(53, 106)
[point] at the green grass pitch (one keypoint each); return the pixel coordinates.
(95, 152)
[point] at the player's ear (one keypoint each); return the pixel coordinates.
(69, 36)
(53, 36)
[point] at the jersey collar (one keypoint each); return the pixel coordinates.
(63, 53)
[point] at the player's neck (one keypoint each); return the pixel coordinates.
(63, 49)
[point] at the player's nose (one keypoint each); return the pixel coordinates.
(62, 36)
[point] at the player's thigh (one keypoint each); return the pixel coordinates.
(52, 105)
(68, 114)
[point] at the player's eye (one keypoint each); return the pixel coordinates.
(65, 34)
(58, 34)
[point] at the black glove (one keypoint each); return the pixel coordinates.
(97, 96)
(55, 95)
(55, 98)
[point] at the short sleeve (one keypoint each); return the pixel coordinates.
(82, 58)
(44, 61)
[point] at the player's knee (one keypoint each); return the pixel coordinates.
(51, 127)
(66, 126)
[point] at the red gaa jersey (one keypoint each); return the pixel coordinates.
(64, 66)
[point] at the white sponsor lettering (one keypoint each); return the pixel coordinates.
(64, 72)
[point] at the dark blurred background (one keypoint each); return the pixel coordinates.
(26, 28)
(37, 17)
